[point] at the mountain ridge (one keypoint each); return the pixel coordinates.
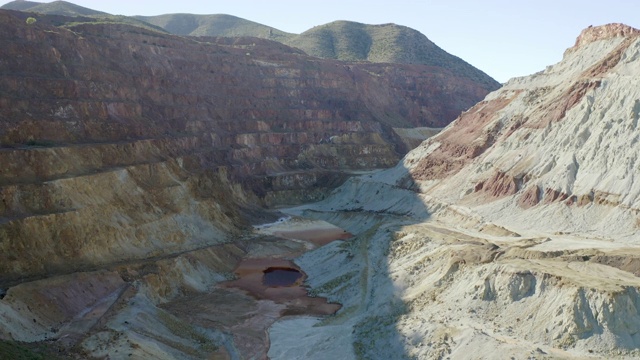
(604, 32)
(213, 25)
(340, 40)
(58, 7)
(127, 156)
(384, 43)
(584, 76)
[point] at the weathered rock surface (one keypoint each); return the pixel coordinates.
(176, 306)
(512, 233)
(560, 141)
(120, 143)
(256, 106)
(132, 163)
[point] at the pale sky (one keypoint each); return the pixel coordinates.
(504, 38)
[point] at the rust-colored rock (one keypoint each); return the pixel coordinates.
(234, 102)
(610, 60)
(604, 32)
(557, 109)
(466, 139)
(119, 143)
(530, 197)
(498, 185)
(572, 200)
(552, 195)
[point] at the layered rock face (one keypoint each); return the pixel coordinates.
(562, 140)
(256, 106)
(121, 143)
(512, 233)
(133, 162)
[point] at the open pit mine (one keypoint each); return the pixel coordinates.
(172, 197)
(135, 165)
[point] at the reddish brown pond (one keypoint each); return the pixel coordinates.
(318, 236)
(267, 289)
(281, 276)
(284, 290)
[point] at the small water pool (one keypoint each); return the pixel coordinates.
(281, 276)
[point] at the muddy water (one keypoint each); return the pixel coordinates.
(276, 285)
(275, 277)
(317, 236)
(251, 272)
(267, 287)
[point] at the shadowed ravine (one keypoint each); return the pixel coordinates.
(354, 273)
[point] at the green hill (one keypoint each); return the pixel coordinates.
(340, 40)
(70, 14)
(214, 25)
(20, 5)
(387, 43)
(52, 8)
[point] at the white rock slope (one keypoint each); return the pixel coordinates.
(514, 233)
(554, 151)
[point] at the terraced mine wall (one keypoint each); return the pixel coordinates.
(257, 107)
(133, 164)
(119, 143)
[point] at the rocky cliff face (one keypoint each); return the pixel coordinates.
(560, 140)
(256, 106)
(132, 163)
(122, 143)
(512, 232)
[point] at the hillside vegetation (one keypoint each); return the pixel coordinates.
(66, 14)
(21, 5)
(214, 25)
(53, 8)
(387, 43)
(340, 40)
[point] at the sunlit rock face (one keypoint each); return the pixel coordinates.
(512, 233)
(561, 141)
